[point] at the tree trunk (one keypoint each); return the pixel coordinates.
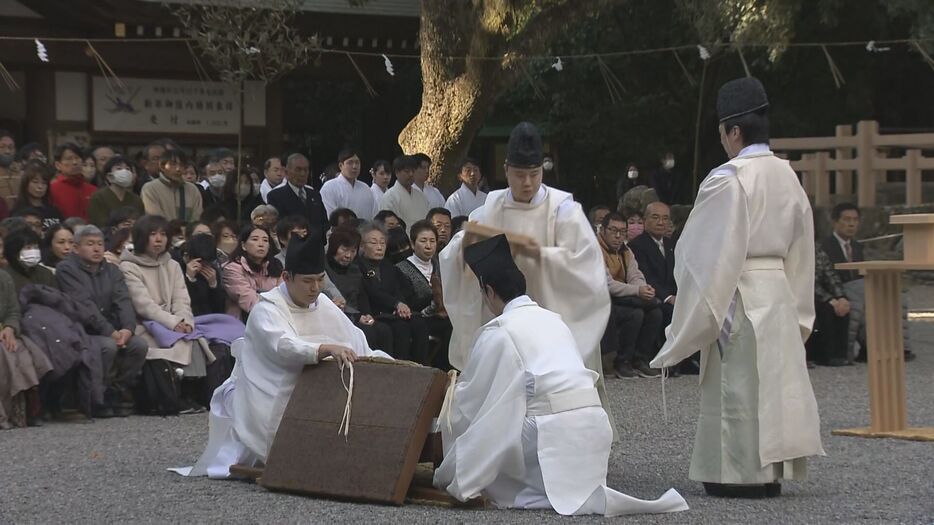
(457, 93)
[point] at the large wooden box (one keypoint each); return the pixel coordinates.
(393, 407)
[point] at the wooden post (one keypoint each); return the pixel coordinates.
(807, 174)
(844, 178)
(822, 190)
(866, 131)
(885, 353)
(912, 178)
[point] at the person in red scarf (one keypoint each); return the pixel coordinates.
(70, 192)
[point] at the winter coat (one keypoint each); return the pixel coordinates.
(244, 285)
(158, 292)
(103, 287)
(55, 322)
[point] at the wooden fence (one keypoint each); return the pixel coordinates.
(863, 155)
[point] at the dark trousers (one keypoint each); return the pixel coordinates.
(409, 339)
(830, 336)
(122, 365)
(378, 336)
(632, 332)
(439, 330)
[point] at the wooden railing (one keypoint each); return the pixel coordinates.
(862, 155)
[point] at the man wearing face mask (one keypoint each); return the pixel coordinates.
(117, 194)
(628, 182)
(216, 177)
(563, 263)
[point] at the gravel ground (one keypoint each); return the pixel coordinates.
(114, 470)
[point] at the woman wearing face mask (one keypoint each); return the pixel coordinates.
(385, 285)
(226, 236)
(634, 226)
(240, 197)
(251, 270)
(57, 244)
(21, 251)
(33, 196)
(423, 287)
(629, 180)
(118, 193)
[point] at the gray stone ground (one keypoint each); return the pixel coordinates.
(114, 470)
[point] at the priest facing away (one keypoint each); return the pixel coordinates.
(564, 269)
(746, 301)
(524, 424)
(292, 326)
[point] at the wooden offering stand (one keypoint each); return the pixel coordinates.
(885, 354)
(390, 452)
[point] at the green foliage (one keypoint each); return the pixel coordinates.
(595, 138)
(244, 42)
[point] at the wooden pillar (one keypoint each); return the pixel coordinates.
(885, 353)
(808, 176)
(866, 131)
(912, 178)
(844, 178)
(822, 182)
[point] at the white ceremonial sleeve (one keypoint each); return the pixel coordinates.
(487, 412)
(709, 260)
(462, 300)
(285, 347)
(573, 274)
(799, 270)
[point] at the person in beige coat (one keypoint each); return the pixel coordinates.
(157, 289)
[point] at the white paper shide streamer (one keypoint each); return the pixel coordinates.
(558, 65)
(704, 53)
(388, 64)
(41, 51)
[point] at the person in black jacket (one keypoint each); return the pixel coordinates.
(202, 275)
(297, 197)
(655, 254)
(385, 290)
(344, 271)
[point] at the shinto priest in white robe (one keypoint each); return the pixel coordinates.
(281, 339)
(745, 272)
(568, 278)
(525, 426)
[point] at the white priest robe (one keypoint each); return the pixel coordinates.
(525, 427)
(745, 272)
(569, 278)
(464, 202)
(432, 194)
(281, 339)
(339, 192)
(410, 205)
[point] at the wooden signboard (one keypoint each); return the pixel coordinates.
(393, 407)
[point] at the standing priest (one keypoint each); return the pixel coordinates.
(292, 326)
(562, 264)
(745, 273)
(524, 426)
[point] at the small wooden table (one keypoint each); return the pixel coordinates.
(885, 355)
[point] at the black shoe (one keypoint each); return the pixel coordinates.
(625, 371)
(835, 362)
(645, 371)
(909, 356)
(722, 490)
(120, 411)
